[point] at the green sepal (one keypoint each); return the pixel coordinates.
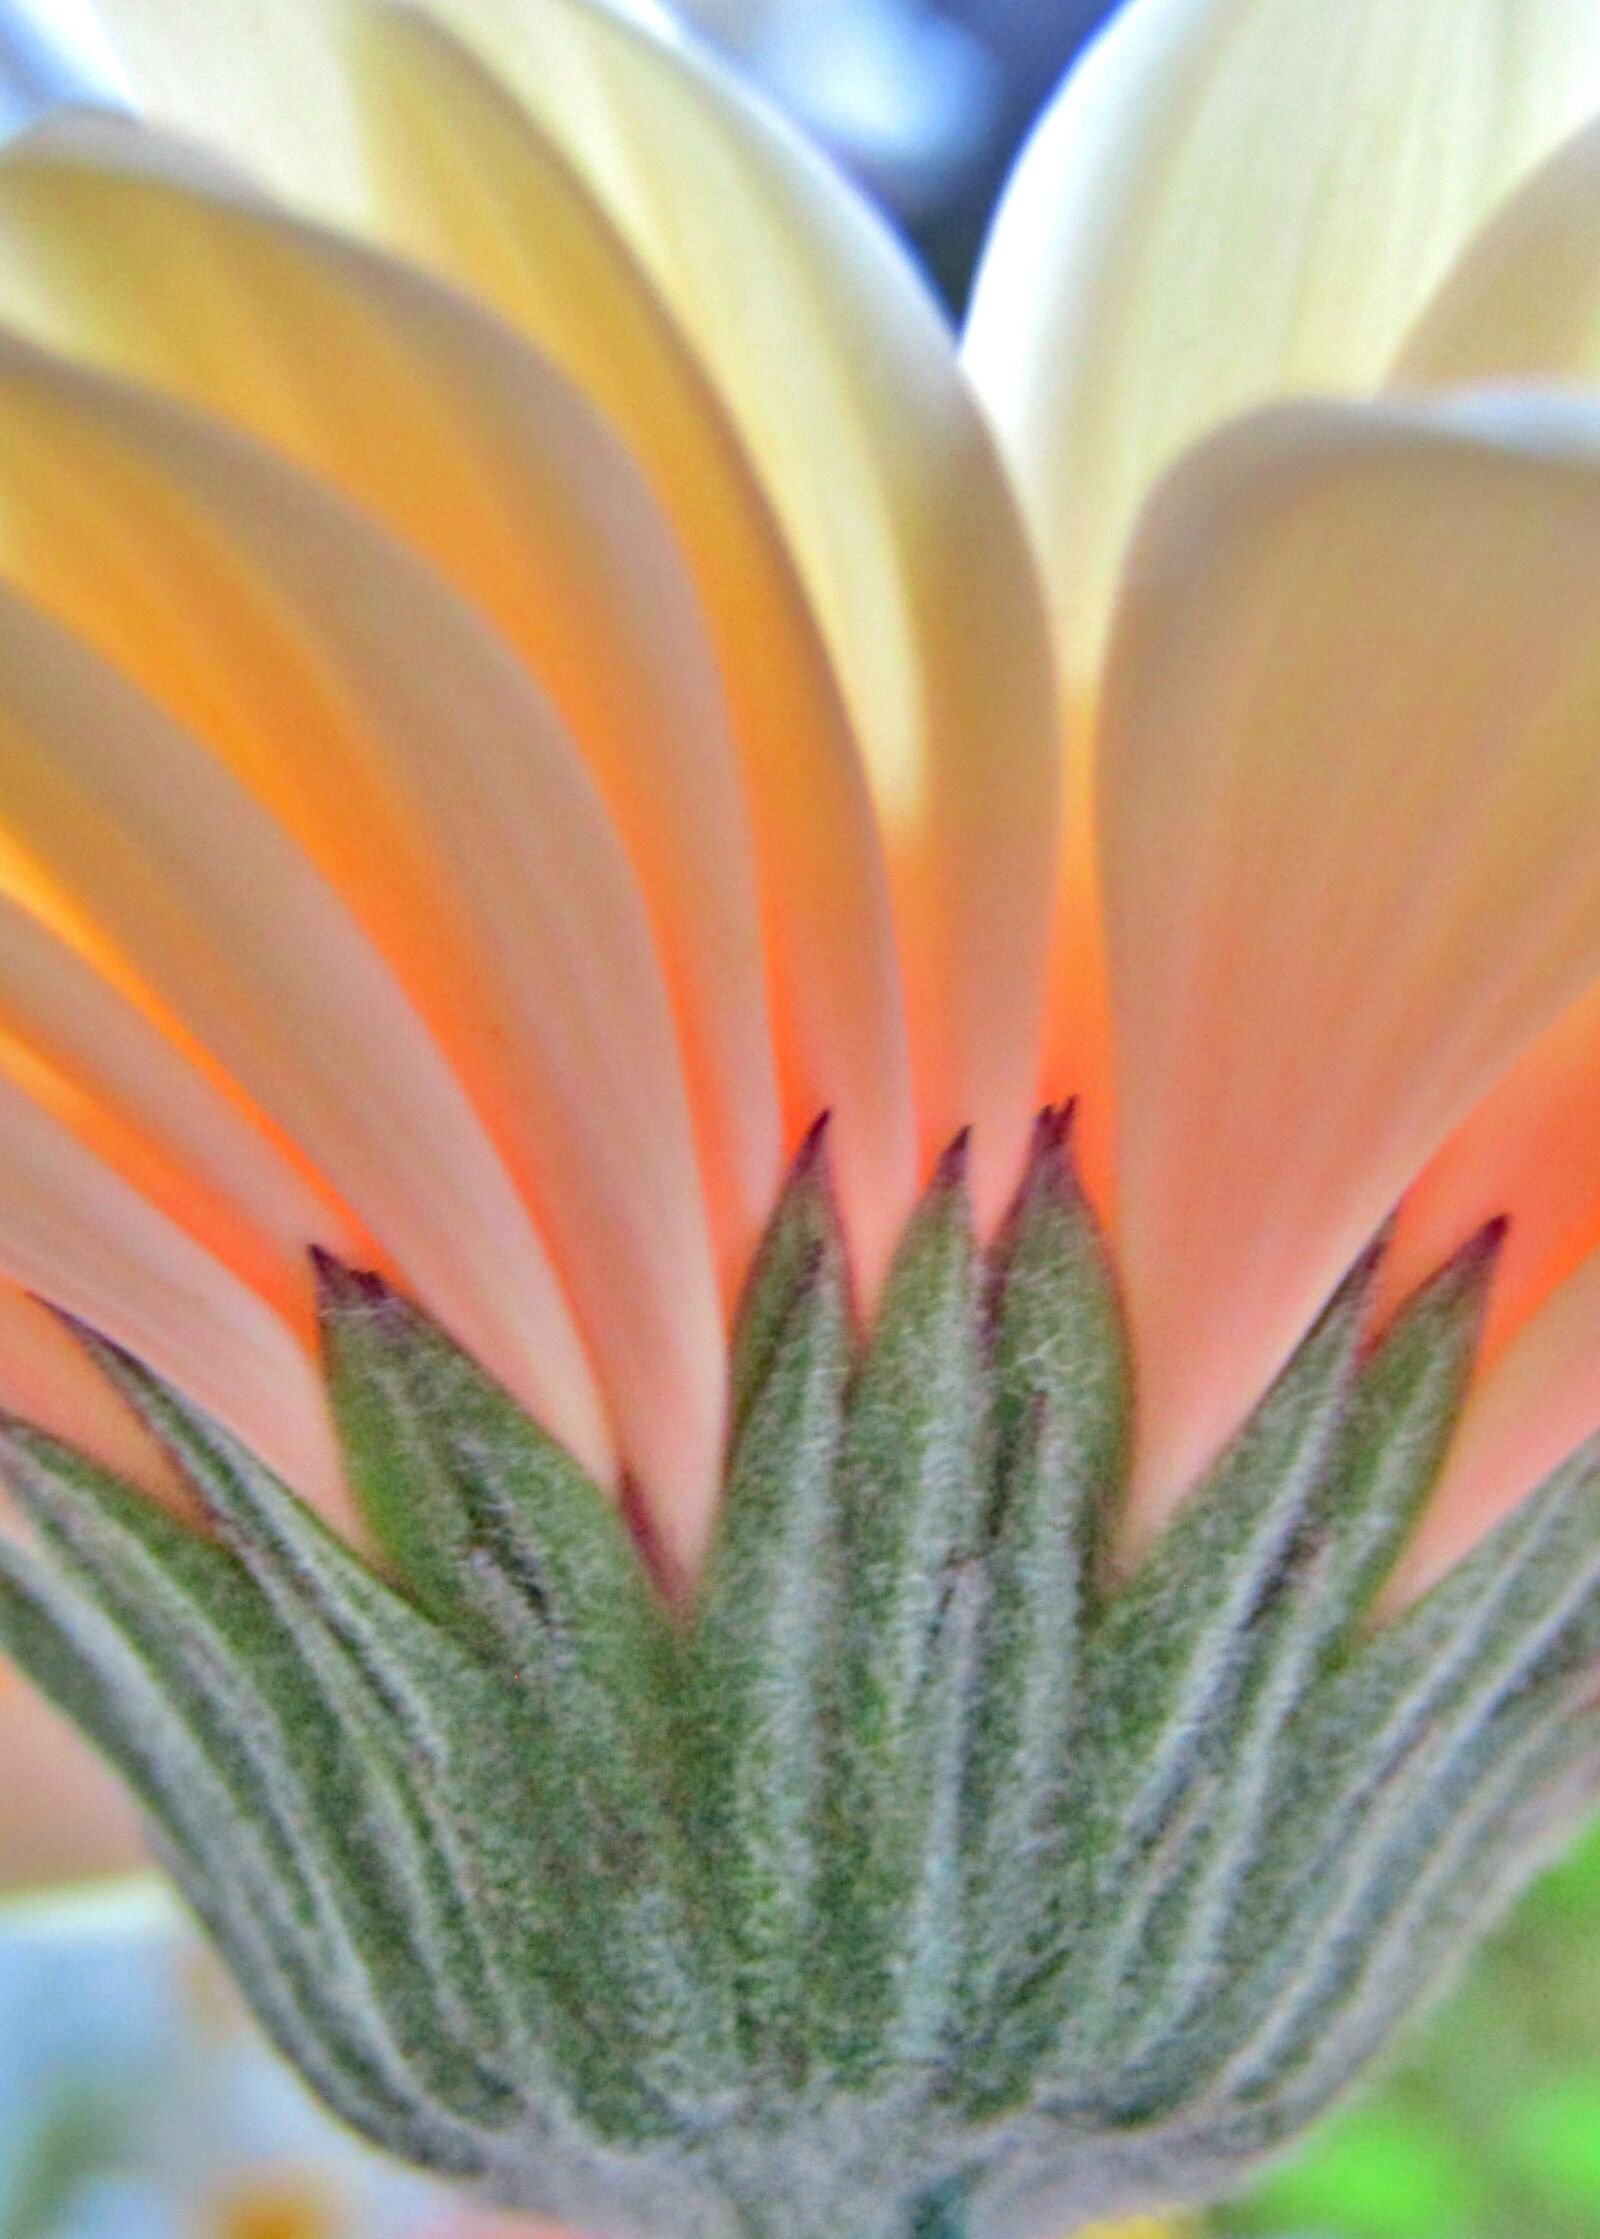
(1059, 1376)
(922, 1874)
(185, 1628)
(806, 1229)
(1358, 1511)
(1163, 1678)
(765, 1627)
(405, 1699)
(911, 1469)
(214, 1850)
(493, 1527)
(560, 1767)
(1391, 1753)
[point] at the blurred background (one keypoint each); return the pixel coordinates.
(136, 2101)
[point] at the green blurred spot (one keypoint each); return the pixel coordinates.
(1552, 2137)
(1374, 2176)
(1571, 1887)
(74, 2141)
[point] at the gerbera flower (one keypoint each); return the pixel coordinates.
(542, 695)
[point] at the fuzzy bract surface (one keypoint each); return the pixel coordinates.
(930, 1869)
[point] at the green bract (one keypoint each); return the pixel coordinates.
(924, 1879)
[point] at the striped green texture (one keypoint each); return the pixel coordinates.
(926, 1876)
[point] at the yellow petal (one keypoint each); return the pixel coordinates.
(471, 447)
(1231, 200)
(123, 830)
(908, 539)
(471, 188)
(1350, 785)
(1523, 298)
(908, 544)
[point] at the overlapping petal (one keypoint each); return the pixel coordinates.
(1350, 789)
(132, 839)
(469, 447)
(767, 260)
(908, 542)
(157, 1113)
(392, 734)
(470, 187)
(1231, 200)
(70, 1225)
(1228, 201)
(453, 171)
(1340, 840)
(1522, 303)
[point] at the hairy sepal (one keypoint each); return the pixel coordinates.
(917, 1874)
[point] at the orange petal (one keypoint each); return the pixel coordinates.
(1533, 1408)
(122, 828)
(48, 1379)
(78, 1822)
(909, 542)
(473, 449)
(74, 1231)
(106, 1069)
(1528, 1150)
(390, 728)
(1350, 786)
(471, 187)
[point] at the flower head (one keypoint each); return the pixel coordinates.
(512, 503)
(532, 668)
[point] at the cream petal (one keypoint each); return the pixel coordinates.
(1522, 300)
(1350, 791)
(909, 542)
(473, 189)
(472, 448)
(1232, 200)
(258, 80)
(120, 828)
(766, 257)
